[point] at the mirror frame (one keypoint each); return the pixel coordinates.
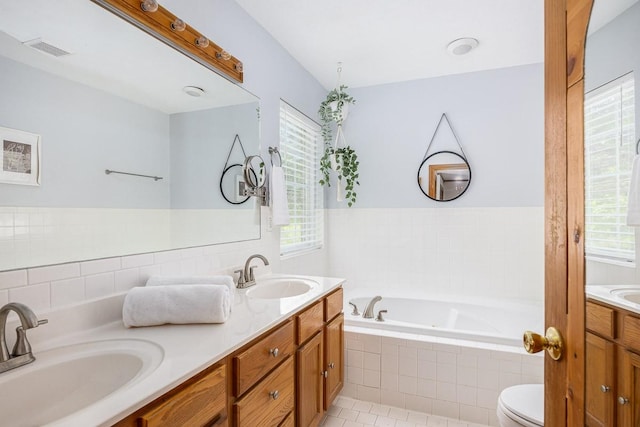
(430, 193)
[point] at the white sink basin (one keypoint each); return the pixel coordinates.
(631, 295)
(67, 379)
(276, 288)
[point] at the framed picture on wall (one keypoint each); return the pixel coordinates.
(20, 154)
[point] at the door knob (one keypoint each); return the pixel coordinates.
(552, 342)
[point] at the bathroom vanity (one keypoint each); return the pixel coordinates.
(287, 376)
(275, 362)
(613, 356)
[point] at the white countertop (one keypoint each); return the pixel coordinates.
(187, 349)
(615, 295)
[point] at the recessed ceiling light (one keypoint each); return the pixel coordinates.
(193, 91)
(462, 46)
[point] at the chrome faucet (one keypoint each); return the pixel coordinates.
(247, 278)
(21, 353)
(368, 312)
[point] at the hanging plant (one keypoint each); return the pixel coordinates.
(342, 160)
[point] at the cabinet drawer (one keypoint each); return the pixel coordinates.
(310, 321)
(270, 401)
(631, 332)
(333, 305)
(600, 319)
(198, 404)
(253, 363)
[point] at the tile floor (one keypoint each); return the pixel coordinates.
(347, 412)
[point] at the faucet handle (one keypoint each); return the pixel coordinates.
(241, 280)
(22, 345)
(355, 311)
(379, 318)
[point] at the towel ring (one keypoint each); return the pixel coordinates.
(272, 151)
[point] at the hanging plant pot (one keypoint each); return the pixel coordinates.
(339, 111)
(340, 161)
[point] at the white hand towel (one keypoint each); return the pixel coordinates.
(195, 280)
(633, 208)
(278, 196)
(177, 304)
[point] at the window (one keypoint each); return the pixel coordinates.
(299, 146)
(609, 135)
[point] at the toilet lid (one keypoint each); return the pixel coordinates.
(525, 401)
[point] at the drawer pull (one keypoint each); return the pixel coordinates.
(274, 352)
(604, 388)
(325, 374)
(332, 365)
(274, 394)
(622, 400)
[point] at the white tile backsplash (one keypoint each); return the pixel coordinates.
(53, 272)
(13, 279)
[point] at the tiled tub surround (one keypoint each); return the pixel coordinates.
(440, 376)
(481, 251)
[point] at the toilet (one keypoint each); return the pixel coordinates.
(521, 405)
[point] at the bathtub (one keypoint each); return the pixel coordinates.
(449, 357)
(485, 321)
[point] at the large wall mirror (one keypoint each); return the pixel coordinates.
(102, 94)
(611, 132)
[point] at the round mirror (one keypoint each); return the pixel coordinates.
(444, 176)
(232, 183)
(254, 172)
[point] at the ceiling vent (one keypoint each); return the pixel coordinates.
(45, 47)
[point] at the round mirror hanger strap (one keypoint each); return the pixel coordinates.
(433, 137)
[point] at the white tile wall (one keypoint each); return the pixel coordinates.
(487, 252)
(455, 381)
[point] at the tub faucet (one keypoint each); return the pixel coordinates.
(249, 279)
(368, 312)
(21, 354)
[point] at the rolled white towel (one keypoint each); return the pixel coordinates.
(178, 304)
(195, 280)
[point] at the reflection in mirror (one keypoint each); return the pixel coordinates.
(444, 176)
(102, 94)
(232, 184)
(612, 112)
(255, 172)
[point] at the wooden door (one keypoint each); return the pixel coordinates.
(309, 366)
(333, 359)
(565, 34)
(600, 384)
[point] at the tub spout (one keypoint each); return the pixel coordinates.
(368, 312)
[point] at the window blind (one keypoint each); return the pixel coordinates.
(609, 126)
(299, 146)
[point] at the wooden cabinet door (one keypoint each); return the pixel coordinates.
(600, 387)
(309, 366)
(334, 359)
(628, 396)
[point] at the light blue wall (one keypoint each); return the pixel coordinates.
(84, 131)
(498, 116)
(200, 143)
